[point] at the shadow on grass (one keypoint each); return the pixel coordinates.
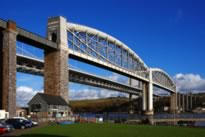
(40, 135)
(37, 135)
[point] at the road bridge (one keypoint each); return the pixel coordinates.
(68, 40)
(34, 66)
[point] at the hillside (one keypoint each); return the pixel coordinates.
(100, 105)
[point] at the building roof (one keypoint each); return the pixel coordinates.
(52, 100)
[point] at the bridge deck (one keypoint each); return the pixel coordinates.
(26, 64)
(30, 38)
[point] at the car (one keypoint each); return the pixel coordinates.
(2, 120)
(9, 128)
(34, 123)
(2, 130)
(19, 123)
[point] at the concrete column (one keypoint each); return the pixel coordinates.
(179, 101)
(144, 97)
(130, 97)
(140, 103)
(187, 102)
(148, 99)
(130, 104)
(150, 93)
(173, 102)
(191, 102)
(9, 69)
(194, 102)
(183, 103)
(56, 62)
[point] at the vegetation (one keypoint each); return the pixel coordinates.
(114, 130)
(97, 105)
(101, 105)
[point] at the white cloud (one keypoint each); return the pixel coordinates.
(185, 83)
(158, 91)
(118, 78)
(82, 94)
(24, 94)
(94, 93)
(189, 83)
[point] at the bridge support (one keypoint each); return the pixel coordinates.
(145, 103)
(173, 103)
(150, 110)
(1, 69)
(183, 103)
(179, 102)
(148, 99)
(187, 102)
(194, 101)
(131, 109)
(144, 97)
(191, 102)
(56, 62)
(8, 68)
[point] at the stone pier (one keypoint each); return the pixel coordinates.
(1, 69)
(56, 61)
(9, 68)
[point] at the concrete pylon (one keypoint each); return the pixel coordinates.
(56, 61)
(173, 103)
(183, 103)
(9, 69)
(187, 102)
(150, 95)
(194, 101)
(191, 101)
(148, 99)
(179, 102)
(130, 104)
(144, 97)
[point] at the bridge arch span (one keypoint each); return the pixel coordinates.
(160, 77)
(129, 55)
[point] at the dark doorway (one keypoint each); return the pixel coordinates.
(54, 37)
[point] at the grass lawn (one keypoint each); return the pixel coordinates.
(114, 130)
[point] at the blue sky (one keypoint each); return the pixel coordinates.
(169, 34)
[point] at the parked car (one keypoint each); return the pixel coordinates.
(34, 123)
(2, 120)
(19, 123)
(2, 130)
(9, 128)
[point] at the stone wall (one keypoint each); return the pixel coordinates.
(9, 69)
(56, 73)
(56, 77)
(1, 69)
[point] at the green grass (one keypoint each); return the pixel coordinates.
(114, 130)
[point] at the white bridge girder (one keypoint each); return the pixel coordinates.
(98, 47)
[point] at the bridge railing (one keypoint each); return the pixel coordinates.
(127, 116)
(172, 116)
(25, 50)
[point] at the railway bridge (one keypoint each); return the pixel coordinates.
(67, 40)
